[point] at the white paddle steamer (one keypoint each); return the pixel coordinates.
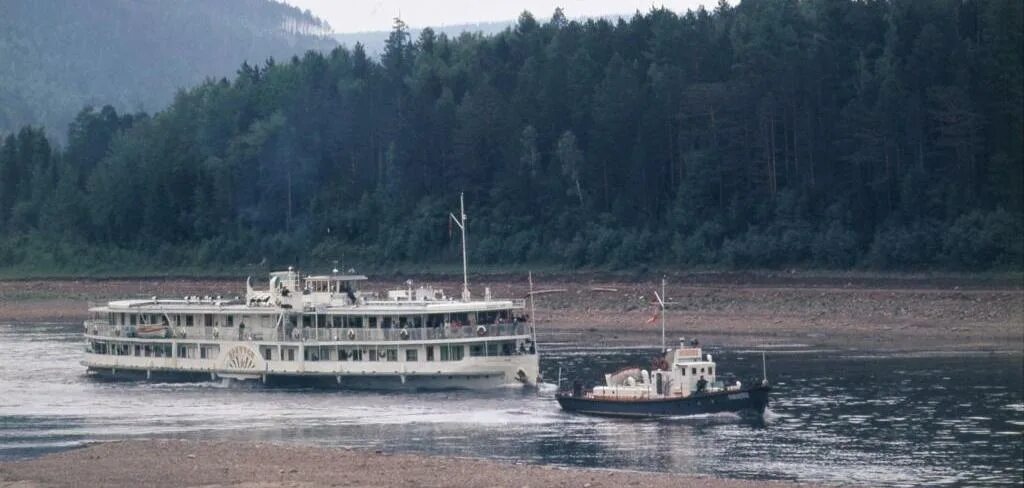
(319, 330)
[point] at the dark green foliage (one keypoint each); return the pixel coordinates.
(772, 134)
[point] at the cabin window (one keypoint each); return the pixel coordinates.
(693, 370)
(411, 355)
(391, 354)
(206, 352)
(451, 353)
(356, 354)
(230, 321)
(712, 371)
(430, 353)
(683, 370)
(307, 321)
(508, 349)
(354, 322)
(460, 319)
(133, 318)
(312, 354)
(208, 320)
(291, 354)
(177, 320)
(477, 350)
(189, 321)
(492, 349)
(371, 322)
(321, 321)
(701, 370)
(387, 322)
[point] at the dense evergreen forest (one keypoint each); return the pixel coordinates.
(811, 133)
(57, 56)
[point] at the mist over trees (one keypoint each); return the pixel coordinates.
(57, 56)
(883, 134)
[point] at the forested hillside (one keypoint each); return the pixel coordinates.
(774, 133)
(57, 56)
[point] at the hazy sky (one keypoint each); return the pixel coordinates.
(375, 15)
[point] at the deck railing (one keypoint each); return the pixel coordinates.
(305, 334)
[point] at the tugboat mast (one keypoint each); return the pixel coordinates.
(661, 301)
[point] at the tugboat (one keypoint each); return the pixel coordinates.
(683, 382)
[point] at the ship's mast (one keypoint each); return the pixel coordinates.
(663, 297)
(661, 301)
(461, 222)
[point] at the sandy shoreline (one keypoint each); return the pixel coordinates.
(946, 314)
(171, 463)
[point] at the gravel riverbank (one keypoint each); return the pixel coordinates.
(171, 464)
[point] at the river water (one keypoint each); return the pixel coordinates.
(836, 416)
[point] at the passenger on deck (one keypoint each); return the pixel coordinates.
(702, 384)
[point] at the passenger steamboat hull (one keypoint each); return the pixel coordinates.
(382, 382)
(746, 401)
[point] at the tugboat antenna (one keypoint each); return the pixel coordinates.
(533, 311)
(663, 297)
(461, 222)
(661, 301)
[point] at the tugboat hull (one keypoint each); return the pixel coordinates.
(749, 400)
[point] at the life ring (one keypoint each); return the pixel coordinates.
(481, 330)
(351, 335)
(404, 333)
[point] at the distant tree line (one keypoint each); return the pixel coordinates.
(819, 133)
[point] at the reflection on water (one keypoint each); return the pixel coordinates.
(834, 417)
